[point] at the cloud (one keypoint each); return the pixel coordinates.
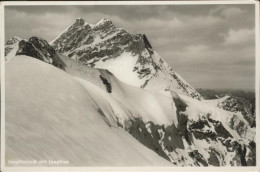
(237, 37)
(232, 11)
(227, 11)
(209, 45)
(197, 48)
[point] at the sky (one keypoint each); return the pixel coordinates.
(211, 46)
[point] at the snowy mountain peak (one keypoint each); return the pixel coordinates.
(16, 37)
(104, 25)
(103, 21)
(82, 22)
(79, 22)
(80, 19)
(13, 40)
(105, 46)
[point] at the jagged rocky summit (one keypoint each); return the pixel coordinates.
(105, 46)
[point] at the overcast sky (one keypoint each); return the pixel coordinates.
(211, 46)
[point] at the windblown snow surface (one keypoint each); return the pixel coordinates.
(74, 118)
(50, 115)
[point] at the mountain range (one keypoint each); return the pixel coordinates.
(99, 96)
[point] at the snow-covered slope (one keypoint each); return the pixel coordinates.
(149, 105)
(49, 115)
(105, 46)
(181, 129)
(216, 102)
(56, 101)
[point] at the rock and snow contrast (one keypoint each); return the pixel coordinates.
(100, 96)
(11, 48)
(104, 46)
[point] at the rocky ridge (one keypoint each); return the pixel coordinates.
(103, 43)
(237, 104)
(34, 47)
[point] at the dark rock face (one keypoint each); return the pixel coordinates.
(182, 119)
(76, 30)
(220, 129)
(237, 104)
(198, 158)
(238, 125)
(27, 48)
(166, 141)
(40, 49)
(162, 140)
(195, 95)
(43, 46)
(106, 83)
(150, 139)
(213, 159)
(196, 128)
(146, 42)
(251, 159)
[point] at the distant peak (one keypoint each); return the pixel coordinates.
(17, 38)
(79, 22)
(13, 40)
(103, 20)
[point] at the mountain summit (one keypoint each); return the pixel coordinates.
(105, 46)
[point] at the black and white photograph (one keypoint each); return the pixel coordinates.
(130, 85)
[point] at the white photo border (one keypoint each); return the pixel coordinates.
(116, 169)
